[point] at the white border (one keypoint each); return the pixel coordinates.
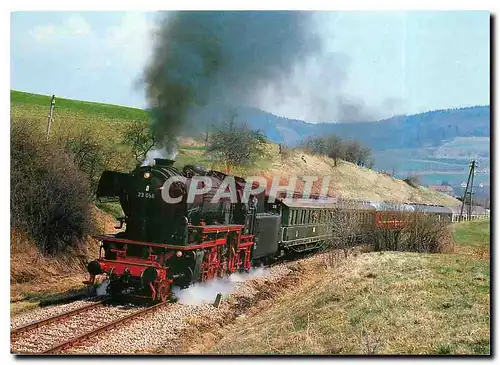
(150, 5)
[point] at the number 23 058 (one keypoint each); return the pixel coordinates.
(141, 194)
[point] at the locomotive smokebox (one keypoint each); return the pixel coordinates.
(163, 162)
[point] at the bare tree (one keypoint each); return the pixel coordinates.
(336, 148)
(90, 156)
(234, 143)
(139, 138)
(346, 230)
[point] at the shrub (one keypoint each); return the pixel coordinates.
(90, 156)
(235, 144)
(49, 195)
(420, 233)
(412, 180)
(140, 139)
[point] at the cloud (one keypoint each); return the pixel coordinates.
(74, 25)
(131, 38)
(43, 32)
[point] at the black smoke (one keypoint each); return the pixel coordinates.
(214, 57)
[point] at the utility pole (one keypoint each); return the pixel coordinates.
(468, 191)
(50, 117)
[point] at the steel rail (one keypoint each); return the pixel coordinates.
(72, 342)
(17, 331)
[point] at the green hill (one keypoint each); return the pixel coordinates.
(106, 124)
(35, 105)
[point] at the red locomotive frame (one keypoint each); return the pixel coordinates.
(238, 246)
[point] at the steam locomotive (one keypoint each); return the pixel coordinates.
(191, 240)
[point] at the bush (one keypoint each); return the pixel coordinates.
(89, 155)
(412, 180)
(235, 144)
(49, 195)
(140, 139)
(420, 233)
(336, 148)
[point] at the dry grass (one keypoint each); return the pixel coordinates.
(350, 181)
(35, 277)
(346, 179)
(383, 303)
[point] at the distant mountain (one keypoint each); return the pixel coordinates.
(434, 144)
(427, 129)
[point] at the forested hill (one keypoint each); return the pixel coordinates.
(408, 131)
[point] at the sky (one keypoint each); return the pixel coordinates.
(393, 62)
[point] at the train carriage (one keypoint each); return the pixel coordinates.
(307, 224)
(179, 243)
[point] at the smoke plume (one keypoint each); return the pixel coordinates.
(214, 57)
(273, 60)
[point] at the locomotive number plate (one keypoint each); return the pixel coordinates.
(141, 194)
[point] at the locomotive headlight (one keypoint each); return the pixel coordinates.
(178, 253)
(147, 175)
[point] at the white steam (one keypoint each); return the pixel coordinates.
(159, 153)
(206, 292)
(101, 289)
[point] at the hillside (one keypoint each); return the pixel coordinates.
(374, 303)
(107, 121)
(348, 180)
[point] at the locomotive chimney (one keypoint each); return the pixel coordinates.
(163, 162)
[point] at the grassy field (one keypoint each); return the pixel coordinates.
(30, 105)
(380, 303)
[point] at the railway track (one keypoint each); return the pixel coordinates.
(55, 334)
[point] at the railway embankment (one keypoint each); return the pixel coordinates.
(38, 280)
(371, 303)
